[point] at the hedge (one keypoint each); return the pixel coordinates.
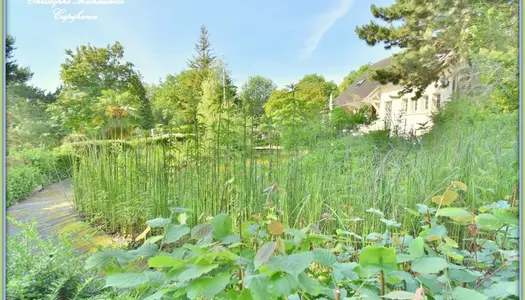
(28, 169)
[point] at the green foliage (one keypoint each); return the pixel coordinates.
(341, 120)
(352, 77)
(271, 263)
(29, 124)
(15, 74)
(137, 89)
(203, 60)
(170, 96)
(296, 112)
(21, 182)
(91, 70)
(87, 75)
(434, 36)
(45, 269)
(478, 147)
(28, 169)
(255, 93)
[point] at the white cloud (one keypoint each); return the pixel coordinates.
(323, 24)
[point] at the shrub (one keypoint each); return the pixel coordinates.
(30, 168)
(45, 269)
(21, 181)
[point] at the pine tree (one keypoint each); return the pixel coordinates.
(15, 74)
(138, 90)
(203, 61)
(434, 34)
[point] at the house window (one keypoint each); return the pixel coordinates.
(437, 100)
(414, 105)
(405, 105)
(425, 98)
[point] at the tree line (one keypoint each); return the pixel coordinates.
(103, 96)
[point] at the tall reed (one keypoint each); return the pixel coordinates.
(125, 183)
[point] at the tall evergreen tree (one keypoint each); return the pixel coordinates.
(15, 74)
(434, 34)
(137, 89)
(203, 60)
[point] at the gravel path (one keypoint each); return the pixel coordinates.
(53, 211)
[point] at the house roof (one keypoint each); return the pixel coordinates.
(362, 87)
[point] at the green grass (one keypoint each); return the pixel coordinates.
(126, 185)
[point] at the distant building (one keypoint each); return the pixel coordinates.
(399, 115)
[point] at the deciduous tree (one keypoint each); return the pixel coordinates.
(255, 93)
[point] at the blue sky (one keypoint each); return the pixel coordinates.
(282, 40)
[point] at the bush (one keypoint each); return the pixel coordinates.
(21, 181)
(45, 269)
(30, 168)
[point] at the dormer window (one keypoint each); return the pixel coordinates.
(360, 82)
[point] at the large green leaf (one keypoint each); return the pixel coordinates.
(416, 248)
(194, 271)
(324, 256)
(429, 265)
(264, 253)
(126, 280)
(154, 239)
(156, 296)
(411, 284)
(502, 290)
(146, 250)
(308, 284)
(162, 261)
(463, 275)
(284, 285)
(208, 287)
(155, 277)
(222, 225)
(98, 260)
(106, 257)
(345, 271)
(158, 222)
(258, 286)
(292, 264)
(378, 258)
(430, 281)
(488, 222)
(230, 239)
(402, 295)
(506, 217)
(201, 231)
(453, 212)
(461, 293)
(403, 258)
(436, 232)
(173, 232)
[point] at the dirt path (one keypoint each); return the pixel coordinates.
(53, 211)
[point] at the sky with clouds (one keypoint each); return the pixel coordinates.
(279, 39)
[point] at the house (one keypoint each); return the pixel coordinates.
(402, 115)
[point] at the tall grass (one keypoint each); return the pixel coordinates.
(126, 183)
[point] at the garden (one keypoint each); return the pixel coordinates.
(255, 192)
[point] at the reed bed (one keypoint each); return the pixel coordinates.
(124, 184)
